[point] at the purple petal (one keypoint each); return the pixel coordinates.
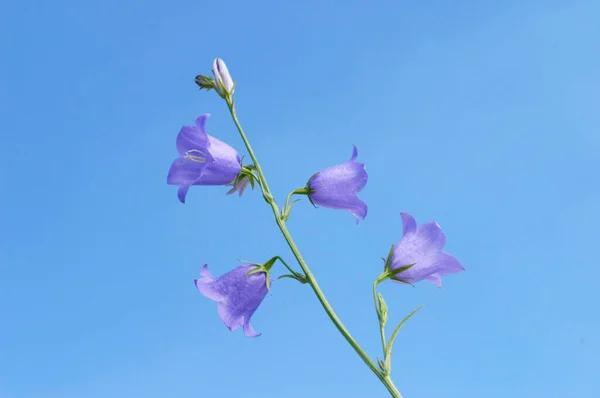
(249, 330)
(409, 225)
(207, 289)
(431, 235)
(224, 167)
(354, 153)
(444, 264)
(357, 208)
(231, 320)
(423, 248)
(447, 264)
(205, 273)
(182, 192)
(431, 265)
(337, 200)
(436, 279)
(413, 247)
(193, 137)
(206, 285)
(346, 178)
(185, 172)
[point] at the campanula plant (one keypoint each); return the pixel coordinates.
(205, 160)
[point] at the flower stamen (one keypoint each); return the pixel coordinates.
(195, 158)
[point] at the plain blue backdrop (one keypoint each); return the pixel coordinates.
(481, 115)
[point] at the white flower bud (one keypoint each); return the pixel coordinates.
(223, 81)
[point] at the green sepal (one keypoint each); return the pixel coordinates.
(309, 191)
(262, 268)
(401, 269)
(269, 264)
(259, 268)
(388, 261)
(392, 274)
(246, 172)
(388, 349)
(266, 268)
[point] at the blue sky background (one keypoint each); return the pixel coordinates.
(481, 115)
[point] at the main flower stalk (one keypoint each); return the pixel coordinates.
(310, 279)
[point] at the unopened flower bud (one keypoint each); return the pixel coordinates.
(383, 310)
(205, 82)
(223, 81)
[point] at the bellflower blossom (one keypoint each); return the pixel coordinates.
(336, 187)
(238, 295)
(422, 246)
(203, 160)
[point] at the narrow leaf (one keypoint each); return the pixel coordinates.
(388, 351)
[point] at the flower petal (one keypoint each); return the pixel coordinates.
(431, 235)
(206, 285)
(447, 264)
(436, 279)
(182, 192)
(434, 265)
(201, 122)
(249, 330)
(225, 164)
(231, 320)
(193, 137)
(354, 153)
(205, 273)
(409, 224)
(357, 208)
(352, 204)
(184, 172)
(348, 177)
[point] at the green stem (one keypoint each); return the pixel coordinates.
(378, 309)
(309, 276)
(286, 265)
(299, 191)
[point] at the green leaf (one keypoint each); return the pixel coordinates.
(382, 366)
(388, 350)
(299, 278)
